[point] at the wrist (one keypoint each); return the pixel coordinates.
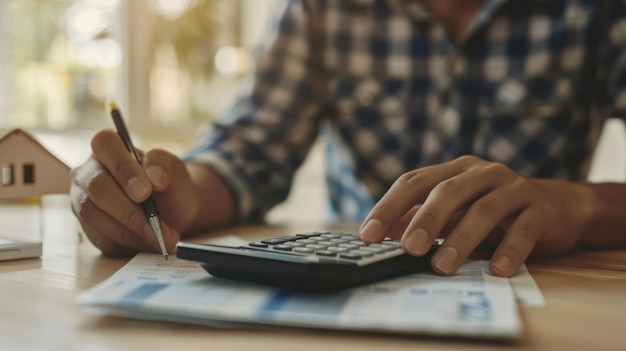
(576, 205)
(213, 203)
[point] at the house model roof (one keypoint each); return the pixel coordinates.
(29, 169)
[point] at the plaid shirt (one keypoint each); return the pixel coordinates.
(529, 86)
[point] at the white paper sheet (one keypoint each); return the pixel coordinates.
(469, 304)
(526, 290)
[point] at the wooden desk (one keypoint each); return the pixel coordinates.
(585, 292)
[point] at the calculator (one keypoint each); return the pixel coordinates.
(322, 261)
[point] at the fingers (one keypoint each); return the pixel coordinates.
(465, 200)
(105, 192)
(110, 151)
(399, 228)
(410, 189)
(102, 230)
(106, 195)
(481, 218)
(113, 238)
(447, 198)
(520, 240)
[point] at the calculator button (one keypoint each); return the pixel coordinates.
(304, 250)
(327, 243)
(275, 241)
(337, 249)
(391, 243)
(383, 247)
(294, 244)
(349, 246)
(309, 235)
(330, 235)
(372, 249)
(350, 255)
(363, 253)
(316, 247)
(306, 241)
(357, 242)
(255, 244)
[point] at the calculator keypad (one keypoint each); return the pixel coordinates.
(330, 245)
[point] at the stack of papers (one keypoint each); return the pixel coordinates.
(472, 303)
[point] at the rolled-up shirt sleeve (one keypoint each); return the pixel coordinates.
(257, 144)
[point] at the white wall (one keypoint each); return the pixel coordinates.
(609, 162)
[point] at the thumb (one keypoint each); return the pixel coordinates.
(174, 191)
(162, 167)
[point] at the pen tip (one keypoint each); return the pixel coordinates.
(166, 257)
(113, 105)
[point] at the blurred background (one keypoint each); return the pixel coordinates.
(171, 64)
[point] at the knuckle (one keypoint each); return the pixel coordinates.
(126, 236)
(467, 161)
(449, 187)
(97, 183)
(520, 183)
(158, 154)
(383, 210)
(86, 210)
(497, 168)
(463, 237)
(526, 230)
(136, 217)
(411, 178)
(101, 140)
(486, 208)
(125, 167)
(428, 214)
(548, 210)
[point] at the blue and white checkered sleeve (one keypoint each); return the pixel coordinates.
(258, 143)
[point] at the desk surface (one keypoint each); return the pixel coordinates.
(585, 293)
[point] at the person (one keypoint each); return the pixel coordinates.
(469, 119)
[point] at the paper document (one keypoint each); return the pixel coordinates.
(469, 304)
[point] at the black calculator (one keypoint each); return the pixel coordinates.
(312, 262)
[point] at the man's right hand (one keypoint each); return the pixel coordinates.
(107, 190)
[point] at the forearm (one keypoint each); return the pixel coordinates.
(215, 203)
(595, 213)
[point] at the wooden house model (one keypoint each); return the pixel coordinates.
(28, 169)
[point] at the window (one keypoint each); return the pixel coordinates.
(171, 64)
(60, 60)
(28, 172)
(7, 174)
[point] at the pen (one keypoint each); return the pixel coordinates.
(148, 206)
